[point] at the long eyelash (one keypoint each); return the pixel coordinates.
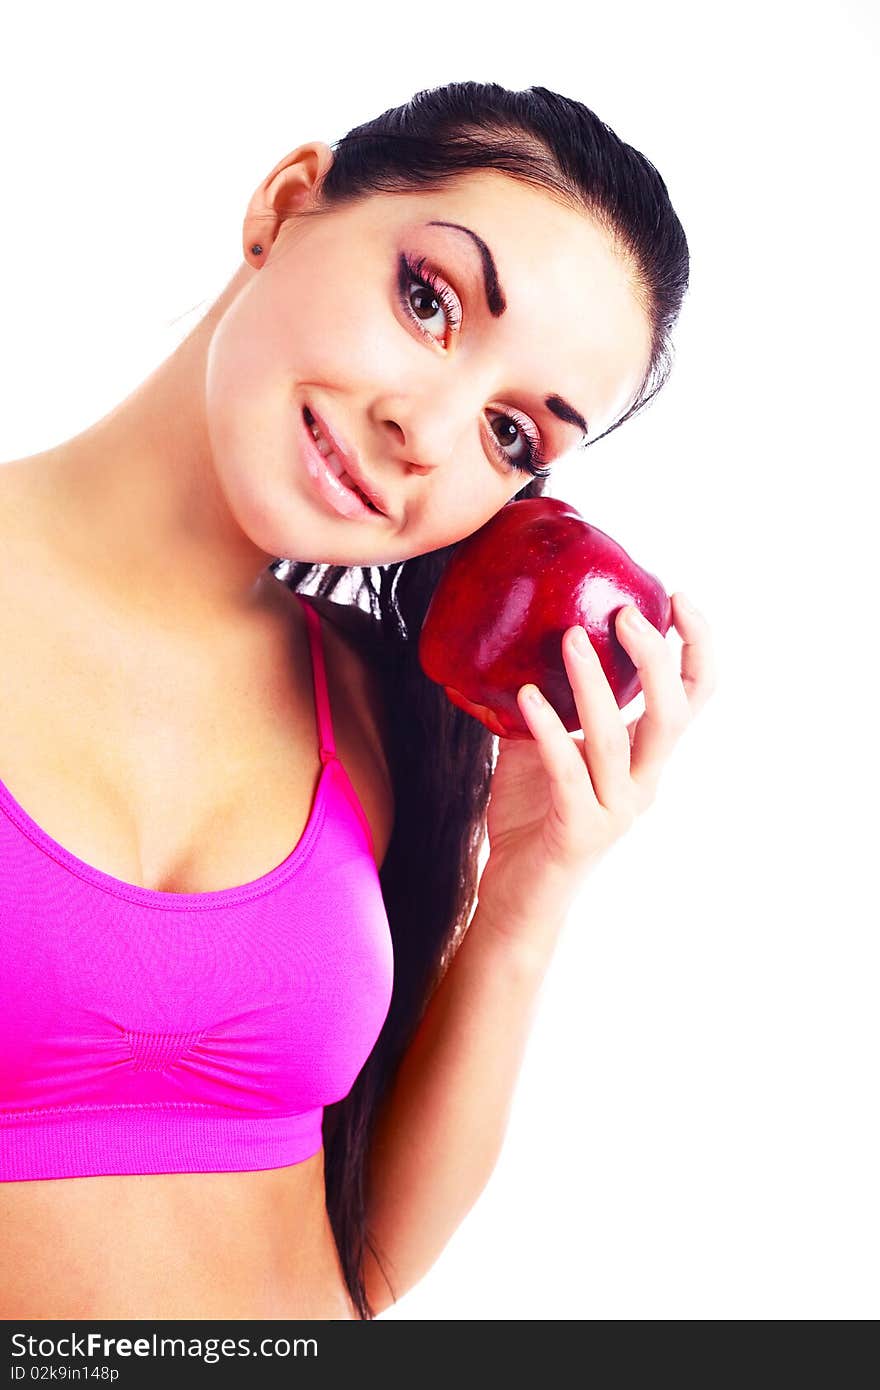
(536, 457)
(420, 272)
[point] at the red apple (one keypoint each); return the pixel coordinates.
(511, 590)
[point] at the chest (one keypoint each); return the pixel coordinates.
(172, 764)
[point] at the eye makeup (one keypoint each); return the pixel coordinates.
(419, 272)
(496, 303)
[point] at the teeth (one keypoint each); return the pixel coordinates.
(336, 466)
(323, 447)
(332, 460)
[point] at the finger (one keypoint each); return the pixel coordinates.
(571, 791)
(698, 669)
(667, 713)
(606, 744)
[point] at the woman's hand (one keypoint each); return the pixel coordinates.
(558, 803)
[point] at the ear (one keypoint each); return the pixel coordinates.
(291, 187)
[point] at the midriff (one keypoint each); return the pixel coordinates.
(172, 1245)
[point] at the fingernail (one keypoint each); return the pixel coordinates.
(579, 642)
(635, 619)
(533, 695)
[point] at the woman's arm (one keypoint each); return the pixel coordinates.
(440, 1128)
(557, 804)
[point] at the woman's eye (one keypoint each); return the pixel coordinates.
(528, 458)
(426, 298)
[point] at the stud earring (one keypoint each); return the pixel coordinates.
(256, 250)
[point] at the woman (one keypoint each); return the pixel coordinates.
(233, 1090)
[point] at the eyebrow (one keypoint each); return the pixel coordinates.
(496, 302)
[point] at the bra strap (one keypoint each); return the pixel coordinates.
(319, 677)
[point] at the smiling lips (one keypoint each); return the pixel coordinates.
(340, 462)
(334, 463)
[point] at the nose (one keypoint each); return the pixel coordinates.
(424, 447)
(428, 436)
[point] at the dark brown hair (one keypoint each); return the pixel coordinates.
(440, 759)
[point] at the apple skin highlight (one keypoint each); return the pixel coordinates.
(508, 595)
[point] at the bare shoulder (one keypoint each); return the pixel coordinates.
(356, 625)
(350, 634)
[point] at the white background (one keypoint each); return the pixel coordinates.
(694, 1132)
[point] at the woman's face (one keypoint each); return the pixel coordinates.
(436, 373)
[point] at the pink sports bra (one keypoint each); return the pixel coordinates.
(152, 1032)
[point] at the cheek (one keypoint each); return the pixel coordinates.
(250, 414)
(345, 332)
(238, 365)
(462, 503)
